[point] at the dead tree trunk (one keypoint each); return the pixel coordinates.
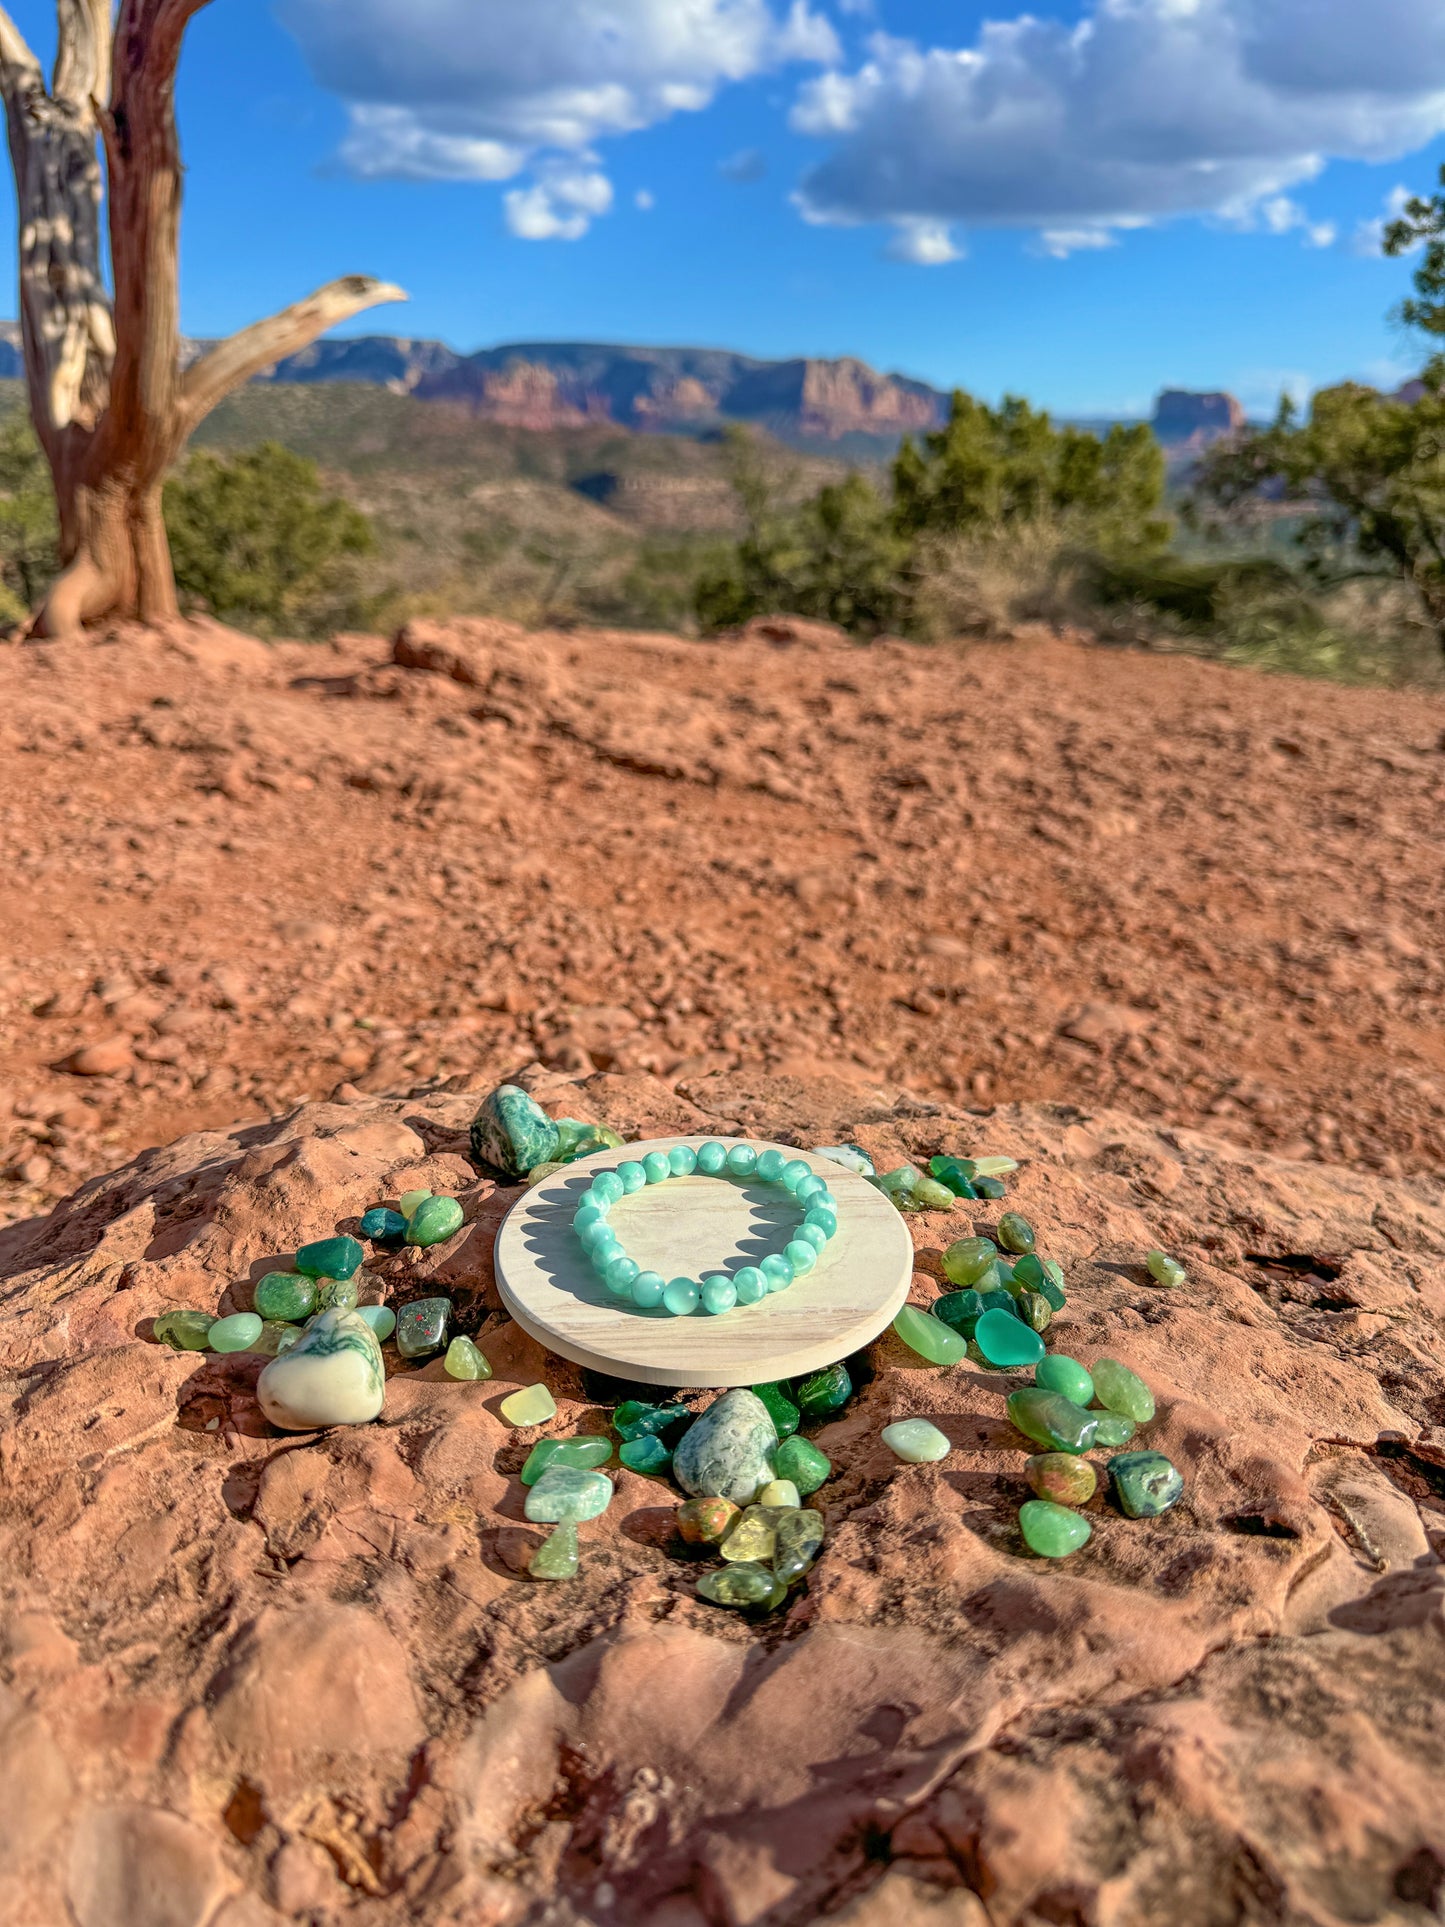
(110, 404)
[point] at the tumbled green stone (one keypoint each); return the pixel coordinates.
(800, 1460)
(275, 1335)
(995, 1167)
(463, 1360)
(797, 1540)
(780, 1492)
(409, 1200)
(338, 1257)
(558, 1555)
(184, 1330)
(1052, 1531)
(567, 1492)
(1015, 1233)
(1060, 1373)
(955, 1173)
(753, 1534)
(1053, 1285)
(382, 1226)
(726, 1453)
(821, 1394)
(743, 1587)
(288, 1296)
(704, 1522)
(585, 1454)
(647, 1454)
(967, 1259)
(421, 1327)
(1165, 1270)
(512, 1133)
(1028, 1274)
(1007, 1341)
(381, 1318)
(901, 1186)
(960, 1311)
(1120, 1390)
(234, 1334)
(915, 1441)
(578, 1140)
(781, 1409)
(933, 1196)
(434, 1221)
(851, 1156)
(1145, 1483)
(529, 1405)
(1062, 1477)
(634, 1418)
(1052, 1420)
(1035, 1310)
(988, 1187)
(1114, 1429)
(337, 1294)
(929, 1336)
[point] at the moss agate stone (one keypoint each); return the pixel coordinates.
(1120, 1390)
(421, 1327)
(434, 1221)
(967, 1260)
(823, 1393)
(916, 1441)
(381, 1318)
(1015, 1233)
(726, 1454)
(567, 1492)
(184, 1330)
(851, 1156)
(1165, 1270)
(705, 1522)
(381, 1226)
(532, 1405)
(1007, 1341)
(1052, 1531)
(1145, 1484)
(1035, 1310)
(781, 1409)
(744, 1588)
(288, 1296)
(1050, 1419)
(463, 1360)
(797, 1540)
(647, 1455)
(558, 1556)
(1062, 1478)
(585, 1454)
(332, 1375)
(511, 1132)
(338, 1257)
(800, 1461)
(1059, 1373)
(929, 1337)
(238, 1333)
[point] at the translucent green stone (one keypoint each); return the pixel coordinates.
(1165, 1270)
(1059, 1373)
(647, 1454)
(1062, 1477)
(821, 1394)
(801, 1461)
(609, 1187)
(801, 1256)
(795, 1172)
(1051, 1419)
(988, 1187)
(956, 1173)
(719, 1294)
(619, 1274)
(337, 1294)
(711, 1158)
(797, 1540)
(705, 1522)
(434, 1221)
(811, 1234)
(463, 1360)
(1145, 1484)
(286, 1295)
(647, 1290)
(409, 1201)
(656, 1168)
(994, 1167)
(1035, 1310)
(821, 1219)
(421, 1327)
(1053, 1285)
(753, 1534)
(682, 1160)
(770, 1165)
(1120, 1390)
(929, 1337)
(238, 1333)
(634, 1418)
(681, 1296)
(567, 1492)
(1114, 1429)
(960, 1311)
(967, 1260)
(511, 1132)
(750, 1283)
(633, 1176)
(780, 1492)
(915, 1441)
(1052, 1531)
(381, 1318)
(742, 1160)
(274, 1337)
(585, 1455)
(777, 1270)
(183, 1330)
(1029, 1272)
(383, 1227)
(338, 1257)
(781, 1409)
(558, 1555)
(743, 1588)
(578, 1140)
(532, 1405)
(1015, 1233)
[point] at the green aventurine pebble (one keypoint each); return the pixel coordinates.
(584, 1454)
(463, 1360)
(929, 1336)
(184, 1331)
(409, 1201)
(287, 1295)
(1015, 1233)
(1052, 1420)
(743, 1588)
(235, 1334)
(1120, 1390)
(1165, 1270)
(1007, 1341)
(567, 1492)
(797, 1538)
(1114, 1429)
(1062, 1477)
(434, 1221)
(1028, 1272)
(382, 1226)
(647, 1454)
(635, 1419)
(338, 1257)
(557, 1557)
(915, 1441)
(1145, 1484)
(960, 1311)
(1052, 1531)
(1059, 1373)
(823, 1393)
(781, 1409)
(801, 1461)
(966, 1261)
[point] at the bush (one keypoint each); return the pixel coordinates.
(29, 538)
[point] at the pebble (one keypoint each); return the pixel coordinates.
(421, 1327)
(184, 1330)
(1114, 1429)
(1062, 1477)
(799, 1460)
(511, 1132)
(1035, 1310)
(585, 1454)
(234, 1334)
(929, 1336)
(1051, 1419)
(1052, 1531)
(332, 1375)
(578, 1140)
(781, 1409)
(956, 1173)
(275, 1338)
(960, 1310)
(337, 1294)
(634, 1418)
(916, 1441)
(338, 1257)
(1145, 1484)
(851, 1156)
(381, 1226)
(704, 1522)
(726, 1453)
(463, 1360)
(287, 1295)
(988, 1187)
(797, 1540)
(532, 1405)
(1007, 1341)
(743, 1587)
(434, 1221)
(909, 1190)
(558, 1556)
(823, 1393)
(1060, 1373)
(1120, 1390)
(567, 1492)
(1165, 1270)
(381, 1318)
(994, 1167)
(780, 1492)
(753, 1534)
(647, 1455)
(410, 1201)
(1015, 1233)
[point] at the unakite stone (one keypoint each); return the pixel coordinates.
(1165, 1270)
(337, 1294)
(1120, 1390)
(184, 1330)
(1062, 1477)
(381, 1318)
(968, 1259)
(511, 1132)
(532, 1405)
(1015, 1233)
(409, 1201)
(781, 1409)
(955, 1173)
(915, 1441)
(753, 1534)
(1035, 1310)
(421, 1327)
(960, 1311)
(800, 1460)
(780, 1492)
(648, 1455)
(851, 1156)
(1145, 1483)
(463, 1360)
(434, 1221)
(635, 1419)
(332, 1375)
(1051, 1419)
(567, 1492)
(382, 1226)
(797, 1540)
(238, 1333)
(584, 1454)
(338, 1257)
(1052, 1531)
(1060, 1373)
(929, 1336)
(704, 1522)
(287, 1295)
(558, 1556)
(743, 1588)
(274, 1338)
(1114, 1429)
(1007, 1341)
(725, 1454)
(821, 1394)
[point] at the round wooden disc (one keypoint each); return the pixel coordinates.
(688, 1227)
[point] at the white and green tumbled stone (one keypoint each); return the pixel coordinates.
(726, 1454)
(850, 1156)
(916, 1441)
(332, 1375)
(567, 1492)
(512, 1133)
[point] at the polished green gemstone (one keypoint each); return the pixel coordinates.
(184, 1330)
(929, 1336)
(809, 1188)
(330, 1258)
(1062, 1477)
(275, 1336)
(421, 1327)
(753, 1534)
(705, 1522)
(916, 1441)
(797, 1540)
(337, 1294)
(712, 1158)
(681, 1296)
(719, 1294)
(382, 1226)
(1053, 1285)
(646, 1454)
(781, 1409)
(801, 1256)
(812, 1234)
(682, 1160)
(743, 1588)
(1051, 1419)
(634, 1418)
(988, 1187)
(1052, 1531)
(409, 1200)
(852, 1157)
(779, 1492)
(800, 1460)
(381, 1318)
(821, 1394)
(463, 1360)
(434, 1221)
(558, 1556)
(1165, 1270)
(1059, 1373)
(1120, 1390)
(633, 1176)
(585, 1455)
(1015, 1233)
(930, 1195)
(618, 1274)
(771, 1164)
(960, 1311)
(995, 1167)
(1035, 1310)
(609, 1188)
(997, 1299)
(540, 1171)
(1114, 1429)
(238, 1333)
(1007, 1341)
(287, 1295)
(511, 1132)
(567, 1492)
(821, 1219)
(528, 1405)
(955, 1173)
(967, 1259)
(1145, 1484)
(1029, 1272)
(795, 1172)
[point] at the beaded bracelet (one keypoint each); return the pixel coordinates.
(647, 1290)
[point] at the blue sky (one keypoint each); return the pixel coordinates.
(1083, 207)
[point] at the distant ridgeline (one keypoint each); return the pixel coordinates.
(566, 384)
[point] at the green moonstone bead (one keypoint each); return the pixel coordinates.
(1015, 1233)
(558, 1556)
(421, 1327)
(1059, 1373)
(585, 1455)
(1051, 1419)
(823, 1219)
(529, 1405)
(751, 1284)
(382, 1226)
(633, 1177)
(337, 1294)
(960, 1311)
(742, 1160)
(800, 1460)
(1165, 1270)
(511, 1132)
(463, 1360)
(338, 1257)
(915, 1441)
(753, 1535)
(777, 1270)
(955, 1173)
(1029, 1272)
(929, 1336)
(634, 1418)
(682, 1296)
(1052, 1531)
(797, 1541)
(811, 1234)
(1035, 1310)
(719, 1294)
(618, 1274)
(743, 1588)
(705, 1522)
(770, 1166)
(409, 1200)
(1120, 1390)
(711, 1158)
(434, 1221)
(781, 1409)
(275, 1337)
(821, 1394)
(1062, 1477)
(184, 1330)
(608, 1186)
(967, 1259)
(1114, 1429)
(288, 1296)
(988, 1187)
(567, 1492)
(1007, 1341)
(647, 1290)
(381, 1318)
(795, 1172)
(1145, 1484)
(682, 1160)
(238, 1333)
(801, 1256)
(656, 1167)
(647, 1454)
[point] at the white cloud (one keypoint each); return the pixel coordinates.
(1369, 236)
(1143, 111)
(560, 207)
(1061, 242)
(927, 244)
(645, 199)
(1279, 214)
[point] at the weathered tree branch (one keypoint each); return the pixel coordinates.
(16, 58)
(82, 57)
